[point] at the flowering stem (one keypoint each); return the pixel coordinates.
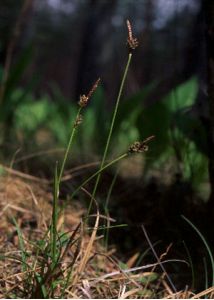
(82, 103)
(111, 129)
(68, 148)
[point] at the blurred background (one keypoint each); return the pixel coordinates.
(51, 51)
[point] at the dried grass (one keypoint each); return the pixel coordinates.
(95, 272)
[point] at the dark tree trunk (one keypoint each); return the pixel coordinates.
(209, 18)
(148, 49)
(88, 70)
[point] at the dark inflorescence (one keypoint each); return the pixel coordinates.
(139, 147)
(84, 98)
(131, 41)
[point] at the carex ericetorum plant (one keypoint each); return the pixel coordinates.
(50, 276)
(136, 147)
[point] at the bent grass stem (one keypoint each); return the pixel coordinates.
(99, 172)
(111, 129)
(54, 220)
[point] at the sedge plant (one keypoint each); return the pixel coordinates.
(58, 176)
(132, 45)
(55, 254)
(47, 272)
(135, 148)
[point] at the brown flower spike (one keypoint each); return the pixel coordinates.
(78, 121)
(84, 99)
(139, 147)
(131, 41)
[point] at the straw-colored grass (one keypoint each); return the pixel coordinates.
(95, 272)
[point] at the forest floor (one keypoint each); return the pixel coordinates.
(97, 272)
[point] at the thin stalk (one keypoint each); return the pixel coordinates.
(191, 265)
(111, 128)
(82, 103)
(54, 219)
(99, 171)
(21, 246)
(68, 148)
(110, 191)
(57, 181)
(106, 207)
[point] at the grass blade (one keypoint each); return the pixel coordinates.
(54, 220)
(22, 246)
(205, 243)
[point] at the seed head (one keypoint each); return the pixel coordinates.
(139, 147)
(94, 87)
(84, 98)
(131, 41)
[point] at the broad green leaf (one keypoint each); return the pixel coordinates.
(182, 96)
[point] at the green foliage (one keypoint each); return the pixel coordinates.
(43, 113)
(159, 118)
(182, 96)
(126, 127)
(178, 133)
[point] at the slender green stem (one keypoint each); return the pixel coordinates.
(54, 218)
(191, 265)
(57, 181)
(21, 245)
(68, 148)
(106, 207)
(99, 171)
(110, 190)
(111, 128)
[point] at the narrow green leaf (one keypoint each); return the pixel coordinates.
(21, 245)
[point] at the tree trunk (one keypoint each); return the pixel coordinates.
(88, 70)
